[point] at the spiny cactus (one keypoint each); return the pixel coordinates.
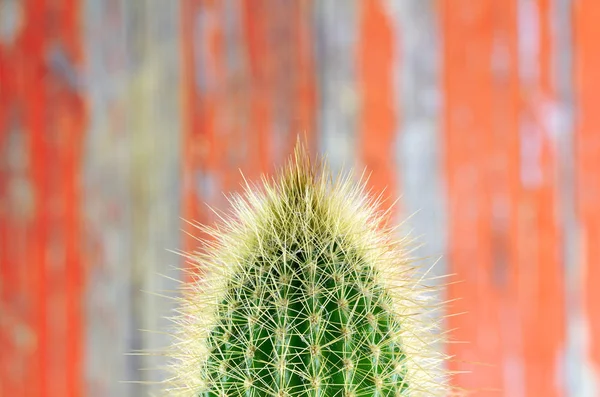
(301, 292)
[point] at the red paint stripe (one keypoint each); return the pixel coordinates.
(378, 118)
(45, 265)
(36, 284)
(65, 265)
(53, 246)
(587, 86)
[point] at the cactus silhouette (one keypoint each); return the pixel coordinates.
(302, 292)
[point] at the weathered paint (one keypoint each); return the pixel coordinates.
(107, 205)
(199, 37)
(504, 188)
(587, 154)
(253, 75)
(304, 94)
(247, 94)
(468, 34)
(542, 291)
(418, 148)
(518, 282)
(155, 165)
(64, 62)
(25, 323)
(43, 127)
(337, 97)
(378, 111)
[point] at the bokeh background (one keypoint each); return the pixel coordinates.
(120, 118)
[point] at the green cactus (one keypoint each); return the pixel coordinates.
(301, 292)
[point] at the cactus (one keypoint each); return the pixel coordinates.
(302, 292)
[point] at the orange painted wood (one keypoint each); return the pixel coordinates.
(6, 266)
(260, 66)
(35, 279)
(542, 290)
(468, 33)
(587, 153)
(198, 140)
(65, 125)
(282, 80)
(505, 188)
(41, 127)
(304, 123)
(190, 152)
(229, 115)
(500, 163)
(378, 118)
(7, 279)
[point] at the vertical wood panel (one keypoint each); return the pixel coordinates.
(468, 31)
(500, 160)
(199, 36)
(248, 81)
(5, 289)
(574, 374)
(542, 287)
(504, 188)
(378, 118)
(107, 204)
(587, 152)
(35, 286)
(304, 90)
(153, 128)
(261, 61)
(13, 174)
(417, 89)
(65, 119)
(336, 32)
(76, 197)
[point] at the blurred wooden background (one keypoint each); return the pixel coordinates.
(119, 117)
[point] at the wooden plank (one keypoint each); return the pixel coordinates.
(8, 167)
(281, 80)
(107, 203)
(152, 90)
(304, 90)
(417, 86)
(245, 102)
(587, 153)
(260, 90)
(378, 118)
(65, 276)
(47, 237)
(468, 32)
(200, 37)
(504, 186)
(35, 282)
(542, 291)
(336, 31)
(500, 159)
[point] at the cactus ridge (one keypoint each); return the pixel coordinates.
(301, 292)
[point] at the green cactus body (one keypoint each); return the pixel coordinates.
(302, 293)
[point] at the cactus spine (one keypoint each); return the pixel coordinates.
(302, 293)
